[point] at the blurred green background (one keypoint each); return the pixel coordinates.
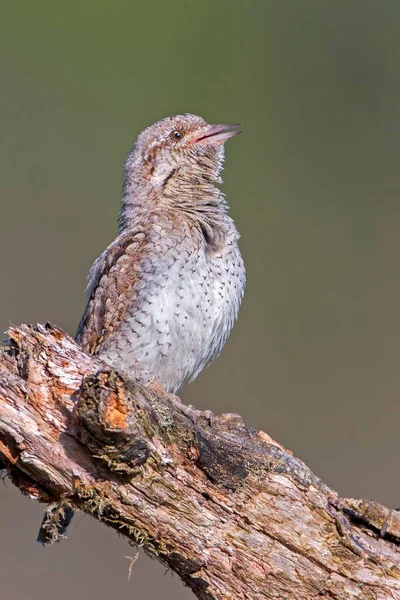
(314, 187)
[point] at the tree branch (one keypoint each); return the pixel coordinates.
(224, 506)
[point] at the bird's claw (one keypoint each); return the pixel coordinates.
(192, 413)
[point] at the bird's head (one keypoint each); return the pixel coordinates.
(176, 154)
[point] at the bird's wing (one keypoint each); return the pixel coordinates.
(110, 290)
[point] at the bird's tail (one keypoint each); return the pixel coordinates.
(56, 520)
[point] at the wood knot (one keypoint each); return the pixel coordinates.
(101, 413)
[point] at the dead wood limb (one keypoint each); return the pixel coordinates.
(224, 506)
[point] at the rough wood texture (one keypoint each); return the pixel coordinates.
(224, 506)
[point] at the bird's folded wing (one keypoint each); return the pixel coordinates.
(112, 280)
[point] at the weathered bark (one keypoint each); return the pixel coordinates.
(224, 506)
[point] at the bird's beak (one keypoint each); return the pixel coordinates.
(218, 134)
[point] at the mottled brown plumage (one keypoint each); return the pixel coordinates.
(115, 274)
(164, 295)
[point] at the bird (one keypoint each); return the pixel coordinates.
(165, 294)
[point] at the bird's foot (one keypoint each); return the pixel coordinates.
(192, 413)
(186, 409)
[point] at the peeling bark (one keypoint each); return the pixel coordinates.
(232, 512)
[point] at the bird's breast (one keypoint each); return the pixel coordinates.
(186, 304)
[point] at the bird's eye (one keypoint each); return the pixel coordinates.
(176, 134)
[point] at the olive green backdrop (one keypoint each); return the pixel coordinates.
(314, 187)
